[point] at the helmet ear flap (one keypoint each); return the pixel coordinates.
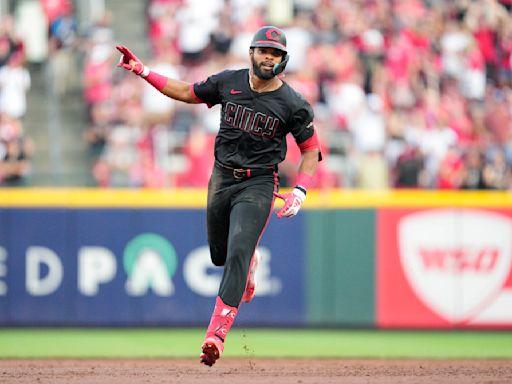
(278, 68)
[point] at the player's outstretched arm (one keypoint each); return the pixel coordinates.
(175, 89)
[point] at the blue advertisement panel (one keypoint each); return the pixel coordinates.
(106, 266)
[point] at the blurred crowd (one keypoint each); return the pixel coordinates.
(15, 146)
(39, 35)
(406, 93)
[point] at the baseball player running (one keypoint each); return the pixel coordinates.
(258, 111)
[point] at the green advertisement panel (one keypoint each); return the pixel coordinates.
(340, 267)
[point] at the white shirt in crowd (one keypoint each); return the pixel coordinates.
(14, 84)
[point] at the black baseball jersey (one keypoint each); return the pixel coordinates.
(253, 126)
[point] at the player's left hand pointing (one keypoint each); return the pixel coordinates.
(292, 202)
(129, 61)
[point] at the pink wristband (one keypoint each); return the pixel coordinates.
(304, 180)
(156, 80)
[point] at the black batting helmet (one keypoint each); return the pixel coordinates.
(272, 37)
(269, 37)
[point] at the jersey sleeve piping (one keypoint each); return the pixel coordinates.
(193, 93)
(197, 98)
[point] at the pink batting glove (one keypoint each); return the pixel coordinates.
(130, 62)
(292, 202)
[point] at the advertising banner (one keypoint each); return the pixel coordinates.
(444, 268)
(107, 266)
(341, 267)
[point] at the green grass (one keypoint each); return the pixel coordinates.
(275, 343)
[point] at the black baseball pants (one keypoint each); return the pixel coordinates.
(238, 210)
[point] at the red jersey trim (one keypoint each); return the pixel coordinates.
(196, 98)
(193, 93)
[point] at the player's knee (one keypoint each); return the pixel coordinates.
(218, 256)
(217, 262)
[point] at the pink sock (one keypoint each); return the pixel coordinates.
(222, 318)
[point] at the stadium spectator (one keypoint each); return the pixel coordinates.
(10, 42)
(473, 170)
(15, 151)
(14, 85)
(63, 41)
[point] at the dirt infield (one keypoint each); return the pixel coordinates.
(251, 371)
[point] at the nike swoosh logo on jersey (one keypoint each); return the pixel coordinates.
(234, 91)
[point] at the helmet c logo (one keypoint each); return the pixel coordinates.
(273, 34)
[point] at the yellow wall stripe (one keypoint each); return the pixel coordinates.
(43, 197)
(196, 198)
(408, 198)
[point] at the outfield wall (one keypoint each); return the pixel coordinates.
(402, 259)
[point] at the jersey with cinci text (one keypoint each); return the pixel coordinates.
(253, 126)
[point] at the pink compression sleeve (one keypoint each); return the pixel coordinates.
(304, 180)
(156, 80)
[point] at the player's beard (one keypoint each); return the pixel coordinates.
(263, 75)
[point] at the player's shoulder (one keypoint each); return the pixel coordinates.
(297, 100)
(293, 95)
